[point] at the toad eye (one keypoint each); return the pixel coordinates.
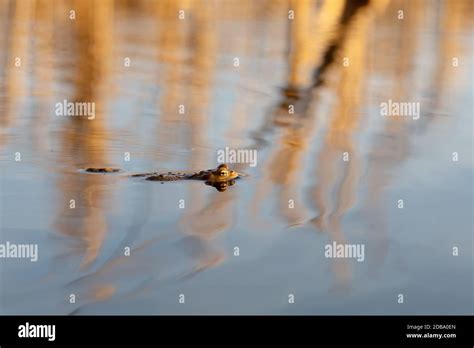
(223, 173)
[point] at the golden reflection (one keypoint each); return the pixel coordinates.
(339, 161)
(42, 73)
(393, 144)
(84, 141)
(197, 48)
(191, 65)
(17, 15)
(285, 161)
(342, 33)
(311, 32)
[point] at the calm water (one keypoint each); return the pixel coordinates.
(282, 62)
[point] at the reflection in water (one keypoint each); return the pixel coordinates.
(84, 141)
(344, 29)
(15, 46)
(338, 156)
(221, 186)
(304, 94)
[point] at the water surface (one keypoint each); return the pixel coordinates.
(191, 250)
